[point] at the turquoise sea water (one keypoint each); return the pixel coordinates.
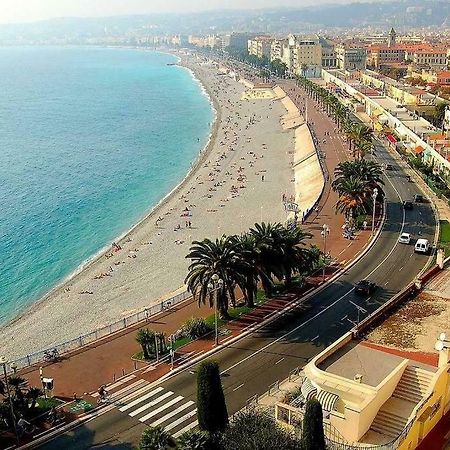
(90, 140)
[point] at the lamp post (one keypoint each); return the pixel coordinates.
(325, 232)
(3, 362)
(215, 284)
(374, 198)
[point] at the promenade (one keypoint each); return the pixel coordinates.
(110, 359)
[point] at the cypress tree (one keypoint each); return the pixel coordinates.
(211, 407)
(312, 436)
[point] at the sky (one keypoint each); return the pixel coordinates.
(12, 11)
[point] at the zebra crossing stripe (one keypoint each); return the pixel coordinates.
(161, 408)
(186, 428)
(172, 413)
(150, 404)
(181, 420)
(140, 399)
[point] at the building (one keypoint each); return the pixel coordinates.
(276, 49)
(239, 41)
(350, 58)
(432, 57)
(260, 46)
(307, 57)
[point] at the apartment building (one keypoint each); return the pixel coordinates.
(432, 57)
(276, 49)
(260, 46)
(350, 58)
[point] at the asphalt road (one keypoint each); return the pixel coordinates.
(251, 365)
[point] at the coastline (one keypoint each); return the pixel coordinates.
(47, 308)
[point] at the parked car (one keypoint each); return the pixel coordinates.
(365, 287)
(422, 246)
(405, 238)
(388, 166)
(419, 198)
(408, 204)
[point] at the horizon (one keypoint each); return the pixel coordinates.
(32, 11)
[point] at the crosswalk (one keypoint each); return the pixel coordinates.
(157, 406)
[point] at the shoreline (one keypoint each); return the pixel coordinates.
(121, 239)
(126, 290)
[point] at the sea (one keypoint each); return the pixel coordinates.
(91, 139)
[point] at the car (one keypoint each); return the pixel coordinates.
(408, 204)
(405, 238)
(365, 287)
(419, 198)
(422, 246)
(388, 166)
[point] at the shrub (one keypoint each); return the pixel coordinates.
(254, 429)
(155, 438)
(194, 440)
(211, 408)
(195, 327)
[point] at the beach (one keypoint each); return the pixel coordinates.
(240, 179)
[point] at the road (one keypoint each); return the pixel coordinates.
(251, 365)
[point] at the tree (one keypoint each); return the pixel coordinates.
(312, 434)
(254, 429)
(155, 438)
(211, 407)
(215, 257)
(146, 338)
(354, 197)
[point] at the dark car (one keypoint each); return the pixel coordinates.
(419, 198)
(388, 166)
(365, 287)
(408, 205)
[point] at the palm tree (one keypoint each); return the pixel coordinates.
(293, 254)
(354, 197)
(146, 339)
(32, 396)
(215, 257)
(369, 172)
(267, 254)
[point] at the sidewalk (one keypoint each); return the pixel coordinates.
(84, 370)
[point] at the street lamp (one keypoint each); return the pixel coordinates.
(3, 362)
(215, 284)
(374, 198)
(325, 232)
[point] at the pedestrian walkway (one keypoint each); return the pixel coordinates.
(160, 407)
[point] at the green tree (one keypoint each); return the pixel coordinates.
(312, 434)
(215, 257)
(253, 429)
(146, 338)
(354, 197)
(155, 438)
(211, 407)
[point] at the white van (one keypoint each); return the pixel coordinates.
(422, 246)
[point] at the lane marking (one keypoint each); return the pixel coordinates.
(181, 420)
(187, 428)
(161, 408)
(278, 362)
(172, 413)
(238, 387)
(140, 399)
(343, 318)
(314, 338)
(150, 404)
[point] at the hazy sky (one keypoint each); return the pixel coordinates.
(29, 10)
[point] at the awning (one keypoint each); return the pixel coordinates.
(327, 400)
(378, 126)
(419, 150)
(391, 139)
(377, 113)
(308, 390)
(383, 119)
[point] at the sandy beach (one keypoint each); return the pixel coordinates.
(241, 179)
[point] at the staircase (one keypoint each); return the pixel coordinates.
(413, 384)
(393, 415)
